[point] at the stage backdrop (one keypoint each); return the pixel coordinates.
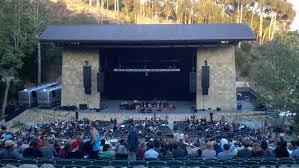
(147, 86)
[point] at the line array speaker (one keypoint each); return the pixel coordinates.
(87, 79)
(205, 79)
(192, 82)
(100, 81)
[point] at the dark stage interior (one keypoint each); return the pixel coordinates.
(147, 85)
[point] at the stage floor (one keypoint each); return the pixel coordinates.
(181, 107)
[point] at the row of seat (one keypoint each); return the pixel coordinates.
(154, 163)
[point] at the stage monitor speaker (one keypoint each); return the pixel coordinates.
(83, 106)
(100, 81)
(87, 79)
(192, 82)
(205, 79)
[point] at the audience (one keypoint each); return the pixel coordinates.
(32, 151)
(106, 153)
(165, 152)
(264, 146)
(177, 152)
(9, 152)
(140, 151)
(281, 149)
(207, 139)
(64, 152)
(48, 151)
(151, 153)
(245, 152)
(75, 153)
(19, 147)
(121, 151)
(208, 153)
(295, 153)
(226, 154)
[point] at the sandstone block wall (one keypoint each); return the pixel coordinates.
(222, 90)
(72, 92)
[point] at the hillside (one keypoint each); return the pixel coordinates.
(70, 11)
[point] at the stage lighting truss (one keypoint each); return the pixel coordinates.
(147, 70)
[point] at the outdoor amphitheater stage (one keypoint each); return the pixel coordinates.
(174, 62)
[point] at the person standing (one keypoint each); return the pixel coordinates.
(132, 142)
(95, 141)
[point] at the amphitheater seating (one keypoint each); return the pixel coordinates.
(214, 163)
(175, 163)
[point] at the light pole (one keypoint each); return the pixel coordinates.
(39, 62)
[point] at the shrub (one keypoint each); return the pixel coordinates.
(245, 70)
(240, 60)
(17, 124)
(246, 47)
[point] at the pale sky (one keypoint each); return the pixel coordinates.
(295, 24)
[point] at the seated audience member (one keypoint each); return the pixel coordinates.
(57, 146)
(268, 151)
(32, 151)
(199, 152)
(151, 153)
(9, 152)
(177, 152)
(257, 151)
(87, 149)
(103, 142)
(140, 151)
(106, 153)
(208, 153)
(7, 136)
(121, 152)
(245, 152)
(165, 152)
(182, 146)
(64, 152)
(295, 153)
(19, 147)
(217, 148)
(281, 149)
(292, 146)
(226, 154)
(48, 150)
(75, 153)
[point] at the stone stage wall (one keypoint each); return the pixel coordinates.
(222, 90)
(72, 92)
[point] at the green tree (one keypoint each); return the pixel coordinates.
(168, 10)
(278, 75)
(20, 23)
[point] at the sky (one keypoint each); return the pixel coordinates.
(295, 24)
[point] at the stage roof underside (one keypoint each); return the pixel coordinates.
(154, 35)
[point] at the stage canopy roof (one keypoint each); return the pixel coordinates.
(147, 34)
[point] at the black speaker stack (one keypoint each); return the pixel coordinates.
(87, 78)
(205, 79)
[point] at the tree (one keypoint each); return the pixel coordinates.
(168, 10)
(20, 23)
(278, 75)
(184, 11)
